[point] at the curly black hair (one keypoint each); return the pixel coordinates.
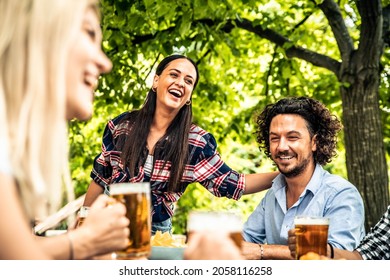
(318, 119)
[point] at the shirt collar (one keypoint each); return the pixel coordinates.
(314, 184)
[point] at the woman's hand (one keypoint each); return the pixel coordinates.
(104, 230)
(211, 246)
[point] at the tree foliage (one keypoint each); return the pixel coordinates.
(251, 53)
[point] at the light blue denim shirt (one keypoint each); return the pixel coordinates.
(326, 195)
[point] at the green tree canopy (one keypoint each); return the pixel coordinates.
(251, 53)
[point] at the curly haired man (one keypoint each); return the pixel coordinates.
(300, 135)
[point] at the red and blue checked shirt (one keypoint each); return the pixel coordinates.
(205, 166)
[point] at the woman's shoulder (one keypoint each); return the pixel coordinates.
(118, 124)
(122, 120)
(198, 132)
(121, 117)
(200, 137)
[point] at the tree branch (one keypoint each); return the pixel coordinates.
(269, 72)
(291, 51)
(300, 23)
(339, 29)
(386, 25)
(203, 56)
(371, 33)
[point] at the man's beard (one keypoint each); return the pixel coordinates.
(296, 171)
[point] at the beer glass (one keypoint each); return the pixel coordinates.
(216, 221)
(136, 198)
(311, 235)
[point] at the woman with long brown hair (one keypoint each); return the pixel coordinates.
(160, 143)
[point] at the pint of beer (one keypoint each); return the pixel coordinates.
(311, 235)
(216, 221)
(136, 198)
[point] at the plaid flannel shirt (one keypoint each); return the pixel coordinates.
(205, 166)
(376, 244)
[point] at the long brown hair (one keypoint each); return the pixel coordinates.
(172, 147)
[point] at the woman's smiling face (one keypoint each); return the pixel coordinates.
(86, 62)
(175, 84)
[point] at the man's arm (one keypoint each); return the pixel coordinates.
(253, 251)
(348, 255)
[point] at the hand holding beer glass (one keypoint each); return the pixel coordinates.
(136, 198)
(311, 235)
(82, 214)
(212, 221)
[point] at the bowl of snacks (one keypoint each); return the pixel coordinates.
(167, 247)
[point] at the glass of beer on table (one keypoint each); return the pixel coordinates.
(311, 235)
(212, 221)
(136, 198)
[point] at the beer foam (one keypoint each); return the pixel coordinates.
(211, 221)
(128, 188)
(303, 220)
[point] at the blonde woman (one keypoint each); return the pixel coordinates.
(50, 60)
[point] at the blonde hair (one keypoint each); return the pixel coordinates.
(35, 38)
